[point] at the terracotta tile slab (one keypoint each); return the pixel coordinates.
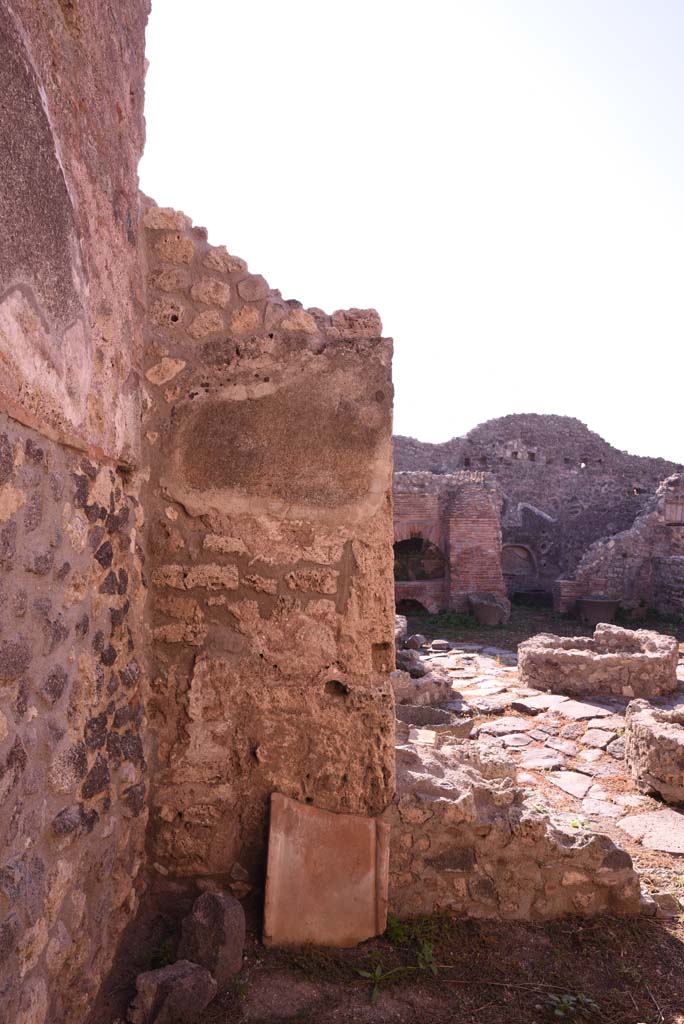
(327, 876)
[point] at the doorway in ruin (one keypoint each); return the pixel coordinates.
(418, 559)
(519, 568)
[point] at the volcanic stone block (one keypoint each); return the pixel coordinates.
(327, 877)
(213, 935)
(176, 994)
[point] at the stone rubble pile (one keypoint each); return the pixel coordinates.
(569, 755)
(209, 955)
(654, 750)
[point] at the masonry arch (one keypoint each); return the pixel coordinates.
(416, 558)
(518, 561)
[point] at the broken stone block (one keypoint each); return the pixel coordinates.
(503, 726)
(441, 645)
(540, 760)
(410, 661)
(573, 783)
(616, 749)
(327, 876)
(654, 750)
(598, 738)
(516, 739)
(656, 830)
(489, 609)
(176, 994)
(415, 642)
(564, 746)
(213, 935)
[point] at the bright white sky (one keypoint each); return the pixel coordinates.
(502, 179)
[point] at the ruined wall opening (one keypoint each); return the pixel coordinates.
(408, 606)
(418, 559)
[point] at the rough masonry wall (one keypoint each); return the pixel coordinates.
(563, 486)
(72, 763)
(270, 532)
(642, 567)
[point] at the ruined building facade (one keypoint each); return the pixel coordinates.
(195, 519)
(562, 489)
(447, 540)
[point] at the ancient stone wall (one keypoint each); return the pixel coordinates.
(269, 512)
(459, 513)
(72, 756)
(464, 842)
(642, 567)
(563, 487)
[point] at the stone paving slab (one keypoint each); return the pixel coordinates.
(503, 726)
(589, 756)
(614, 722)
(579, 709)
(657, 830)
(543, 702)
(596, 808)
(573, 783)
(564, 746)
(517, 739)
(598, 738)
(540, 760)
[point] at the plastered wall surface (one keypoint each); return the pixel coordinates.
(73, 763)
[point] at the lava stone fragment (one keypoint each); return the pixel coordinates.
(15, 658)
(130, 675)
(55, 684)
(110, 584)
(97, 780)
(108, 656)
(105, 554)
(95, 731)
(134, 798)
(132, 748)
(67, 821)
(6, 459)
(82, 626)
(8, 545)
(40, 563)
(80, 491)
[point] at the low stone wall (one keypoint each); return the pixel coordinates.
(614, 662)
(654, 750)
(464, 843)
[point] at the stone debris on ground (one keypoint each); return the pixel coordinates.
(176, 994)
(570, 752)
(213, 935)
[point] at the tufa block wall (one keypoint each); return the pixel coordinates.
(269, 512)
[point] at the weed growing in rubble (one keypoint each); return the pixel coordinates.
(378, 975)
(161, 957)
(569, 1007)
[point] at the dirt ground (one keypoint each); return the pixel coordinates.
(524, 622)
